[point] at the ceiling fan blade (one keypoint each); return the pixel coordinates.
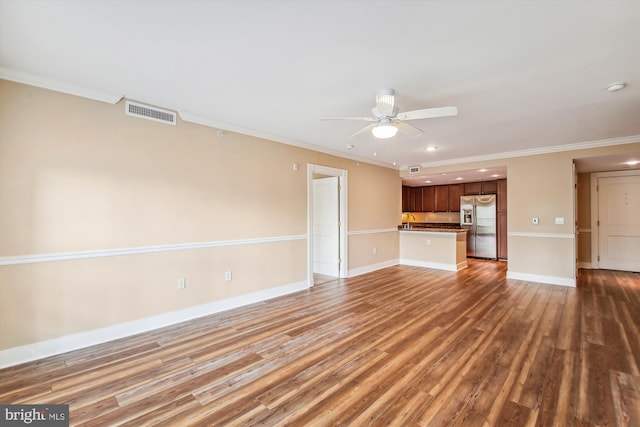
(408, 129)
(363, 130)
(368, 119)
(428, 113)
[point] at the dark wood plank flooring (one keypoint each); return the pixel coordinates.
(401, 346)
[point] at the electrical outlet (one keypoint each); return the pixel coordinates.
(227, 275)
(182, 283)
(428, 242)
(375, 251)
(559, 220)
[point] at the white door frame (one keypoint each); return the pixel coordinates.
(595, 230)
(342, 179)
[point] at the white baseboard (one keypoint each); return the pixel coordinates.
(434, 265)
(552, 280)
(373, 267)
(17, 355)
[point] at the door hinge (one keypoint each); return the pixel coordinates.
(339, 187)
(339, 260)
(598, 223)
(598, 257)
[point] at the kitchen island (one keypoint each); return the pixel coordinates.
(439, 248)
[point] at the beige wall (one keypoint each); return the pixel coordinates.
(541, 186)
(78, 175)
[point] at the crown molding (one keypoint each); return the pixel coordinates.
(58, 86)
(110, 98)
(534, 151)
(206, 121)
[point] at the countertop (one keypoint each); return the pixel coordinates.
(430, 226)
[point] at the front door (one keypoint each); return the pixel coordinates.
(619, 222)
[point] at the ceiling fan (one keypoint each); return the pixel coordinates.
(388, 120)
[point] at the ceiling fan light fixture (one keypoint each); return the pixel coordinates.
(384, 131)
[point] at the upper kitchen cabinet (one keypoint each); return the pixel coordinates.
(428, 199)
(455, 192)
(441, 198)
(415, 199)
(437, 198)
(489, 187)
(406, 198)
(472, 188)
(484, 187)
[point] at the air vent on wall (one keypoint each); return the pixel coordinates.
(150, 113)
(414, 169)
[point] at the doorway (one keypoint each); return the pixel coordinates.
(327, 223)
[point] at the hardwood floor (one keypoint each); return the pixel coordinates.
(401, 346)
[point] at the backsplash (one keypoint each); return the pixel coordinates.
(448, 217)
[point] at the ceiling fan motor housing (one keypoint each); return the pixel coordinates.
(385, 103)
(381, 115)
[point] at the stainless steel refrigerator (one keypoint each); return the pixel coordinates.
(478, 217)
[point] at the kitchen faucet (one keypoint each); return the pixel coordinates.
(409, 216)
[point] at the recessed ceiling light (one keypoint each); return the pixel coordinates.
(482, 170)
(459, 178)
(350, 146)
(614, 87)
(443, 174)
(431, 148)
(632, 162)
(495, 175)
(428, 182)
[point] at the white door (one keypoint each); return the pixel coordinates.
(326, 226)
(619, 222)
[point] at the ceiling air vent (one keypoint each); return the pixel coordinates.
(150, 113)
(414, 169)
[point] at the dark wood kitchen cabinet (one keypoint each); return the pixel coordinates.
(406, 198)
(428, 199)
(501, 231)
(502, 195)
(415, 199)
(435, 198)
(472, 188)
(501, 214)
(483, 187)
(441, 198)
(489, 187)
(455, 192)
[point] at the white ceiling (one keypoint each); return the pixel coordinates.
(525, 75)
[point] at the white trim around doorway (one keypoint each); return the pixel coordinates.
(342, 179)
